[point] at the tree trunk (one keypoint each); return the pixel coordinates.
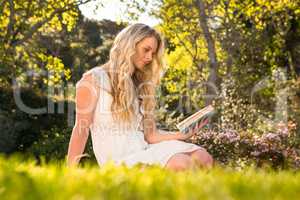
(293, 46)
(212, 81)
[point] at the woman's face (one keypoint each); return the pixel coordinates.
(145, 51)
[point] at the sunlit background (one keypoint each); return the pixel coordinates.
(113, 10)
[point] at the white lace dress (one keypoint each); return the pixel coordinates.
(123, 143)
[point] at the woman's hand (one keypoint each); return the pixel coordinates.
(192, 132)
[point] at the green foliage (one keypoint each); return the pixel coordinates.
(253, 39)
(22, 21)
(19, 129)
(54, 180)
(85, 47)
(59, 51)
(53, 145)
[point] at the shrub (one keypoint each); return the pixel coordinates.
(19, 130)
(53, 145)
(278, 149)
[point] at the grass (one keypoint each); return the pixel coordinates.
(24, 179)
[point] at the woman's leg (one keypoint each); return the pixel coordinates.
(179, 162)
(202, 158)
(190, 160)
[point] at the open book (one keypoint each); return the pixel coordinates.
(190, 122)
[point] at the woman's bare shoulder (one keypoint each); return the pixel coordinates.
(91, 74)
(95, 69)
(97, 77)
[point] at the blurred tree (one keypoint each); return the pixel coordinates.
(244, 41)
(43, 43)
(20, 21)
(86, 46)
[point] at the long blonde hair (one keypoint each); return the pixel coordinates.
(129, 83)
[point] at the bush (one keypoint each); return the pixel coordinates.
(53, 145)
(278, 149)
(19, 129)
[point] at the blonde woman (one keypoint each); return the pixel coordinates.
(116, 103)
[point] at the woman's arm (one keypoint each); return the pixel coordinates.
(154, 135)
(85, 100)
(77, 145)
(161, 135)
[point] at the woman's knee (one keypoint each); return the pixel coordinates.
(203, 158)
(179, 162)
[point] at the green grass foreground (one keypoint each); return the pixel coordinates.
(24, 179)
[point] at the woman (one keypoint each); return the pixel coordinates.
(116, 103)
